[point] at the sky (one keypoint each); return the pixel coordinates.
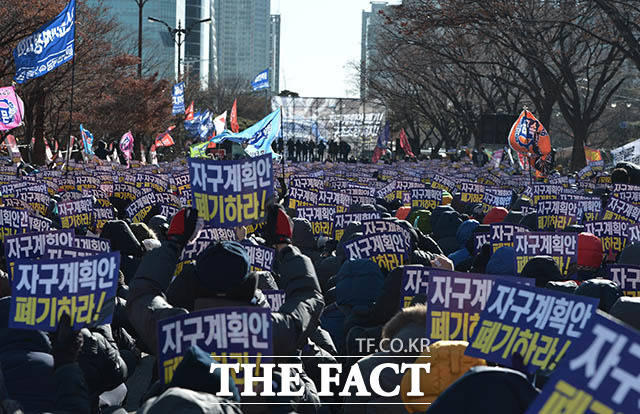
(318, 39)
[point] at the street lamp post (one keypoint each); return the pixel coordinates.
(178, 33)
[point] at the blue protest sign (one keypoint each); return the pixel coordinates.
(387, 250)
(415, 281)
(627, 277)
(261, 81)
(204, 238)
(562, 247)
(455, 300)
(320, 217)
(275, 298)
(33, 245)
(178, 99)
(539, 324)
(501, 234)
(13, 222)
(598, 374)
(43, 289)
(428, 198)
(48, 47)
(612, 233)
(342, 220)
(231, 193)
(230, 335)
(260, 257)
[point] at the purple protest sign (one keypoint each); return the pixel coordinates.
(627, 277)
(387, 250)
(43, 289)
(342, 220)
(599, 372)
(562, 247)
(612, 233)
(260, 257)
(276, 299)
(501, 234)
(539, 324)
(231, 193)
(230, 335)
(415, 281)
(455, 300)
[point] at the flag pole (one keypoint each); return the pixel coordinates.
(282, 134)
(73, 74)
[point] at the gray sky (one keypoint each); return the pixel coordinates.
(318, 38)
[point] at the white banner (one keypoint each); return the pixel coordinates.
(628, 152)
(326, 119)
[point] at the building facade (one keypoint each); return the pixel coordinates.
(274, 54)
(243, 33)
(242, 39)
(371, 22)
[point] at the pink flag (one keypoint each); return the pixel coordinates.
(12, 145)
(11, 109)
(126, 145)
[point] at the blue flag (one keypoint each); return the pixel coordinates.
(87, 140)
(49, 47)
(315, 131)
(261, 81)
(202, 125)
(383, 137)
(178, 98)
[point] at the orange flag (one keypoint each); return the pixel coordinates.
(188, 114)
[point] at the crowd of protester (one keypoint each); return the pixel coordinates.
(331, 303)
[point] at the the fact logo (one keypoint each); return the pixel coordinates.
(291, 385)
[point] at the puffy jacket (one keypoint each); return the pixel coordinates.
(27, 364)
(448, 363)
(297, 317)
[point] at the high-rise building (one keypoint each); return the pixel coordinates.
(371, 22)
(274, 53)
(159, 51)
(243, 33)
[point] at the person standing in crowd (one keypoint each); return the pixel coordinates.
(321, 148)
(305, 150)
(298, 150)
(312, 150)
(291, 149)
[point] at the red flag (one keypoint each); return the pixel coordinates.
(235, 128)
(164, 139)
(188, 114)
(377, 154)
(404, 143)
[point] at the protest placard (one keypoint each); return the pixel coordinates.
(387, 250)
(598, 374)
(539, 324)
(231, 193)
(415, 281)
(230, 335)
(320, 217)
(501, 234)
(83, 288)
(260, 257)
(342, 220)
(455, 300)
(275, 298)
(562, 247)
(625, 276)
(76, 213)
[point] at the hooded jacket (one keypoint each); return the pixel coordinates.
(463, 234)
(503, 262)
(297, 317)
